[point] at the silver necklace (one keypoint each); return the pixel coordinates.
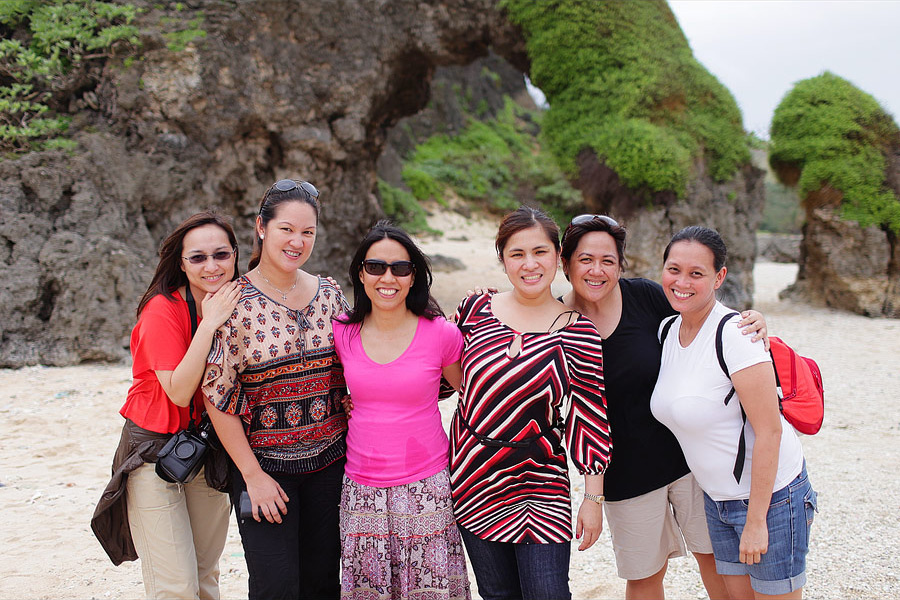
(283, 294)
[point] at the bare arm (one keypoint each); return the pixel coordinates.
(590, 515)
(755, 387)
(453, 374)
(265, 493)
(181, 384)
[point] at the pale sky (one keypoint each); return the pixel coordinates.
(760, 48)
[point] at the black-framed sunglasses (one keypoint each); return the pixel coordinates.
(286, 185)
(582, 219)
(400, 268)
(218, 256)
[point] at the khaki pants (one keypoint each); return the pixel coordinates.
(179, 533)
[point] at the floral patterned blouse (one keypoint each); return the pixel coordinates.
(276, 368)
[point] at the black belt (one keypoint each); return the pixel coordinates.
(495, 443)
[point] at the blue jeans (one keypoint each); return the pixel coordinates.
(783, 567)
(299, 557)
(507, 571)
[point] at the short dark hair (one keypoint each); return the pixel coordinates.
(703, 235)
(169, 275)
(525, 217)
(574, 233)
(271, 200)
(419, 301)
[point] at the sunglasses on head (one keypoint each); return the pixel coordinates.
(400, 268)
(218, 256)
(582, 219)
(286, 185)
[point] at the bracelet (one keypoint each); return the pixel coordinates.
(594, 498)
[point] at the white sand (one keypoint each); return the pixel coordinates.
(60, 427)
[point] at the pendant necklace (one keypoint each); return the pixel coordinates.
(283, 294)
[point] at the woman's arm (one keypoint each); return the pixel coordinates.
(265, 493)
(590, 515)
(755, 386)
(181, 384)
(453, 374)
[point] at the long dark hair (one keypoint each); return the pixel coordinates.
(419, 300)
(702, 235)
(169, 275)
(271, 200)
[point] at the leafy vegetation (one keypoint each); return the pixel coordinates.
(53, 39)
(497, 163)
(621, 80)
(828, 132)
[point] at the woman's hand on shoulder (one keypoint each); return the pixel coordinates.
(479, 291)
(217, 308)
(753, 322)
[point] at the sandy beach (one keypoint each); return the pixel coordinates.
(60, 427)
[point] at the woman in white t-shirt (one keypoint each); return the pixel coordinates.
(759, 503)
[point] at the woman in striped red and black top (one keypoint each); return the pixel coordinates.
(532, 389)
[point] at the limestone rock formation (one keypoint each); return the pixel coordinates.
(276, 89)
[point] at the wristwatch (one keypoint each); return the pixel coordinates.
(594, 498)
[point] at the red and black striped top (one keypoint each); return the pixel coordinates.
(549, 391)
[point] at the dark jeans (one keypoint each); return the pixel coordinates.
(299, 557)
(506, 571)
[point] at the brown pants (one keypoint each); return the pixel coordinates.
(179, 532)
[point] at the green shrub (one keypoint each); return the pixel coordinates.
(53, 38)
(620, 79)
(828, 132)
(403, 208)
(490, 162)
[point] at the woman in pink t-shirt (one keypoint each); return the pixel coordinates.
(397, 527)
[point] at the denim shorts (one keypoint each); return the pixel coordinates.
(783, 566)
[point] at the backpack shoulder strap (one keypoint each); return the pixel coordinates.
(742, 443)
(668, 321)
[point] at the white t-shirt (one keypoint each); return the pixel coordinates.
(689, 399)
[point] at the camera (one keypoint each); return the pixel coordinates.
(182, 457)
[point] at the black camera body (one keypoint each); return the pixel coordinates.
(183, 456)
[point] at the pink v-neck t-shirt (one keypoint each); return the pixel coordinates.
(395, 435)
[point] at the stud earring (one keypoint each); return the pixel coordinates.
(262, 236)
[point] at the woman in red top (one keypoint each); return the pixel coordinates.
(178, 530)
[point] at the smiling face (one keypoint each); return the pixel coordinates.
(529, 259)
(594, 268)
(689, 277)
(387, 291)
(289, 237)
(211, 274)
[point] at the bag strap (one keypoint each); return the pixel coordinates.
(667, 325)
(742, 443)
(192, 310)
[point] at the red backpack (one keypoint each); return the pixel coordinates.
(798, 380)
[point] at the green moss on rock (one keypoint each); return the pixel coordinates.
(827, 132)
(621, 80)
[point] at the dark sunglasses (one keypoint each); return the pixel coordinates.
(286, 185)
(400, 268)
(582, 219)
(219, 256)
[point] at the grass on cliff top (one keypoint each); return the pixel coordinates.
(621, 80)
(826, 131)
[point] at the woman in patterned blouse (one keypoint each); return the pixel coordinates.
(273, 388)
(532, 390)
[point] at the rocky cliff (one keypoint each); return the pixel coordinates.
(276, 89)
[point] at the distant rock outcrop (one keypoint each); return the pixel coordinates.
(841, 149)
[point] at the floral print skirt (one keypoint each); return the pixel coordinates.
(401, 542)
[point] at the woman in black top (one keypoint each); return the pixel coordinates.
(652, 502)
